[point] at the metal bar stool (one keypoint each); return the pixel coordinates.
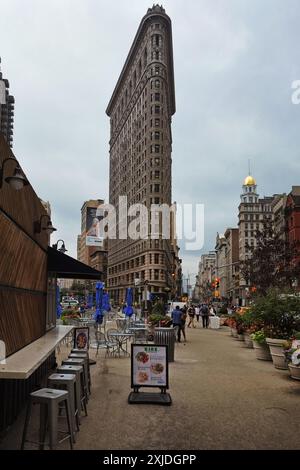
(80, 361)
(67, 382)
(78, 372)
(49, 400)
(85, 356)
(83, 384)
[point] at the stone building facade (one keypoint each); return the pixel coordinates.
(94, 256)
(140, 111)
(220, 269)
(7, 106)
(232, 263)
(253, 210)
(206, 274)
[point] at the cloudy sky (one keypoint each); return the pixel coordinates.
(235, 61)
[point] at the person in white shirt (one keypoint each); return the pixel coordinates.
(197, 313)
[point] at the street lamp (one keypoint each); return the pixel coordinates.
(49, 227)
(18, 180)
(62, 249)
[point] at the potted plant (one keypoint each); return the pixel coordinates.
(231, 322)
(292, 354)
(261, 347)
(279, 313)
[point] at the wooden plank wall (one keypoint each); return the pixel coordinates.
(23, 263)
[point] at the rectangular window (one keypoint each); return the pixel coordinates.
(156, 148)
(157, 109)
(156, 258)
(156, 135)
(156, 188)
(156, 174)
(157, 96)
(157, 122)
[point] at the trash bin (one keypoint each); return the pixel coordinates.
(214, 322)
(166, 336)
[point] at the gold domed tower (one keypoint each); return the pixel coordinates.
(249, 190)
(249, 181)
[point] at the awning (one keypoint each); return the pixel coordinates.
(65, 267)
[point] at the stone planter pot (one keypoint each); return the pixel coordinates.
(276, 349)
(294, 371)
(248, 341)
(234, 332)
(262, 351)
(240, 337)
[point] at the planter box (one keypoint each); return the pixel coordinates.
(262, 351)
(248, 341)
(276, 349)
(240, 337)
(294, 371)
(234, 332)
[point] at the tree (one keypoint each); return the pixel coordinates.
(274, 262)
(78, 288)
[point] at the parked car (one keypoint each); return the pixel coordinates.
(70, 303)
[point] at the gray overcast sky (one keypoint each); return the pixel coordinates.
(234, 62)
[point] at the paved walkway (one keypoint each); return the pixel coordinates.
(223, 398)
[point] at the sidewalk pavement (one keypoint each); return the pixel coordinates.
(223, 398)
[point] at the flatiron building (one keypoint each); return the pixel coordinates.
(140, 112)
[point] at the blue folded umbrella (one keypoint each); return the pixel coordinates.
(98, 315)
(128, 310)
(106, 302)
(58, 306)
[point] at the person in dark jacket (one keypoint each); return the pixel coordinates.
(177, 321)
(204, 312)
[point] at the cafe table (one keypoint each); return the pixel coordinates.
(121, 338)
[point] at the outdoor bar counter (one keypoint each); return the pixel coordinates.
(27, 360)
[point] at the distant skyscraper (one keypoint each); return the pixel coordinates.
(140, 112)
(6, 110)
(87, 250)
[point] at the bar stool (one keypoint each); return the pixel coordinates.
(80, 392)
(67, 382)
(84, 355)
(49, 400)
(80, 361)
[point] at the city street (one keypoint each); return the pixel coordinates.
(223, 398)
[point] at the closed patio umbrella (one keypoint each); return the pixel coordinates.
(128, 310)
(58, 306)
(106, 302)
(98, 317)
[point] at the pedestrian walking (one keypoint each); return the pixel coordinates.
(204, 312)
(177, 321)
(197, 313)
(212, 311)
(191, 312)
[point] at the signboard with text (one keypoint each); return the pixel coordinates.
(94, 241)
(149, 366)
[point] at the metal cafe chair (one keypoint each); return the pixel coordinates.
(103, 343)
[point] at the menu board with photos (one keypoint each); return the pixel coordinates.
(81, 338)
(149, 366)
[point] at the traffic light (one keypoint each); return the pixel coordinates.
(217, 283)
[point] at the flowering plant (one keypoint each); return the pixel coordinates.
(259, 337)
(296, 357)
